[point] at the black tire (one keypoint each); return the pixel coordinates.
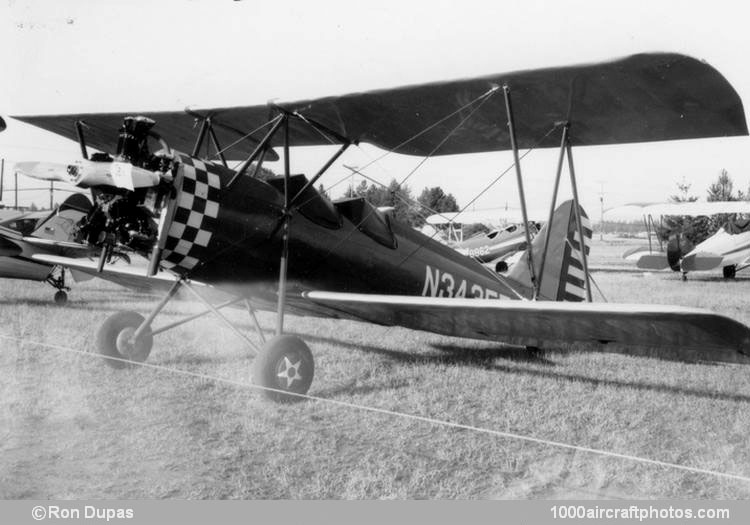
(61, 298)
(113, 339)
(285, 364)
(729, 272)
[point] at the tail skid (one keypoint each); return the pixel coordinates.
(562, 278)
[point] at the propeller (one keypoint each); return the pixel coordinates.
(677, 247)
(87, 173)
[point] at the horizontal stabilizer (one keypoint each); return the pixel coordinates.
(8, 248)
(634, 253)
(653, 261)
(701, 262)
(536, 323)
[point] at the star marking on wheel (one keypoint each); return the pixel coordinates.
(290, 372)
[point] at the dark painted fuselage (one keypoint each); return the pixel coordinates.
(346, 247)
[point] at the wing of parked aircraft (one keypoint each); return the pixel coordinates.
(491, 216)
(128, 276)
(636, 212)
(537, 323)
(628, 100)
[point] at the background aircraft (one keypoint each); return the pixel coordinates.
(506, 238)
(728, 248)
(204, 221)
(24, 235)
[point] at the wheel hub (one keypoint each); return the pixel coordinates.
(126, 343)
(289, 371)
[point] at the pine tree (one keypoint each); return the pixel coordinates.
(434, 200)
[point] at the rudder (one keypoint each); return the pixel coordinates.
(562, 278)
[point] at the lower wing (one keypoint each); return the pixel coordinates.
(535, 323)
(531, 323)
(130, 277)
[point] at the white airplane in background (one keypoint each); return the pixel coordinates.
(497, 248)
(728, 248)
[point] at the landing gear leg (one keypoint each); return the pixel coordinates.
(684, 276)
(285, 364)
(58, 281)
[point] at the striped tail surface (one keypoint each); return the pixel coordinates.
(562, 277)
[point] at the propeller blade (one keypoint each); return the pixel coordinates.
(88, 173)
(53, 171)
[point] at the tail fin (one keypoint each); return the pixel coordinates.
(60, 224)
(562, 278)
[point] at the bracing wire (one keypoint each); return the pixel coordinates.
(402, 415)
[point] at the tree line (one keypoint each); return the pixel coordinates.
(698, 229)
(406, 209)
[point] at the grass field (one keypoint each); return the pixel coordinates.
(71, 427)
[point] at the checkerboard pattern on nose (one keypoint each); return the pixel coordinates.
(194, 219)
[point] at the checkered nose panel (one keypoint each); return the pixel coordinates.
(194, 219)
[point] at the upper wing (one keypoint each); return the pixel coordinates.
(636, 212)
(646, 97)
(488, 216)
(536, 323)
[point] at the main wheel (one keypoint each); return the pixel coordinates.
(285, 364)
(61, 298)
(115, 339)
(729, 272)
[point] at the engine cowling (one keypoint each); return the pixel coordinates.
(677, 247)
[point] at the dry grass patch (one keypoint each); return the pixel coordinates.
(71, 427)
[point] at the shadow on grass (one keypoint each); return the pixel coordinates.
(486, 358)
(470, 356)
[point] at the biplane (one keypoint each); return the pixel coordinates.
(24, 235)
(728, 248)
(497, 248)
(279, 244)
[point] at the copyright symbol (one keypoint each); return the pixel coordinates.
(38, 513)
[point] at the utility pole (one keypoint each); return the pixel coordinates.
(601, 214)
(51, 193)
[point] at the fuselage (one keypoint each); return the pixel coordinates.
(15, 257)
(497, 244)
(733, 247)
(347, 246)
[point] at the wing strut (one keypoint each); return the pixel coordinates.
(579, 224)
(566, 149)
(284, 234)
(521, 195)
(283, 120)
(556, 188)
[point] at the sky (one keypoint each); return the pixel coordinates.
(61, 56)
